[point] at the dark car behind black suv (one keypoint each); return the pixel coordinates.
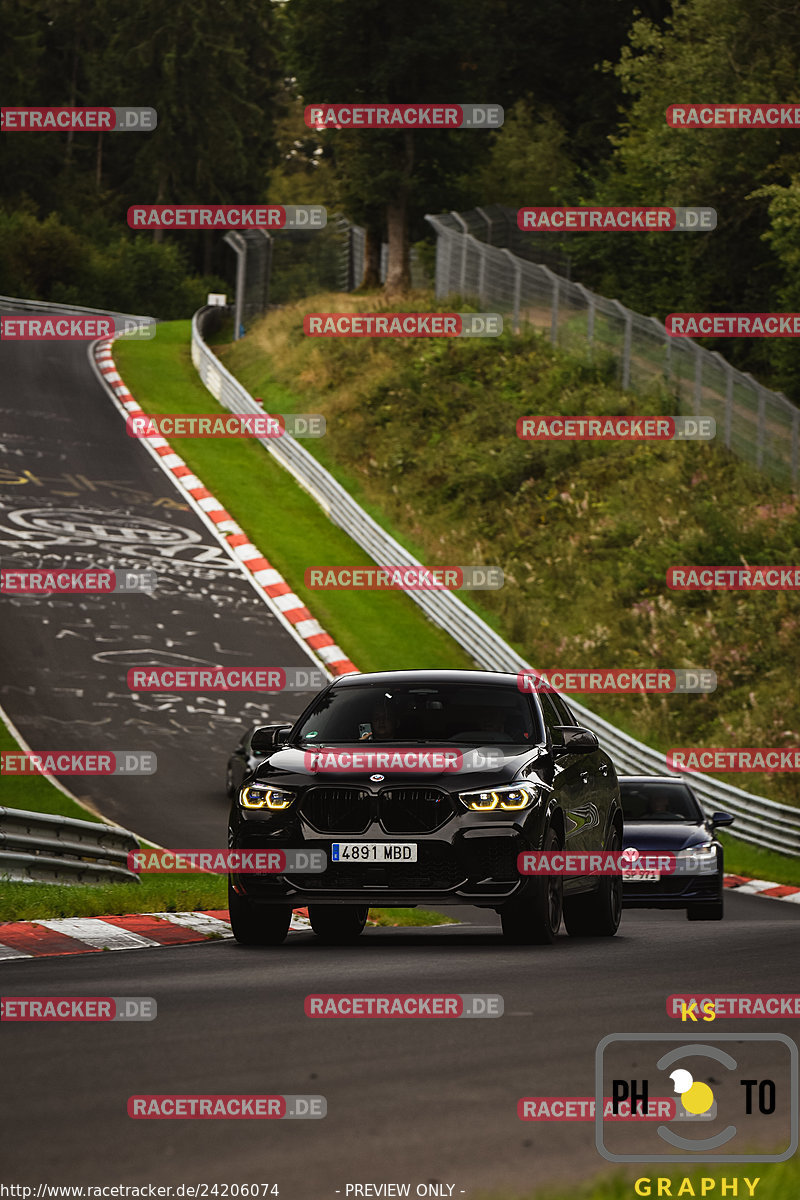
(662, 814)
(540, 782)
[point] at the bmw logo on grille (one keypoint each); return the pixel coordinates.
(377, 778)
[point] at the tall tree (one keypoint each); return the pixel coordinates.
(370, 51)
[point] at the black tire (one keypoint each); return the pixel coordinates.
(262, 925)
(597, 914)
(535, 919)
(337, 924)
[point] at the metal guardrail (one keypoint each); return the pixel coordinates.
(37, 848)
(45, 306)
(758, 820)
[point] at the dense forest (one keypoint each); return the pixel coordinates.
(584, 84)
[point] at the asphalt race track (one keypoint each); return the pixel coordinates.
(408, 1100)
(77, 492)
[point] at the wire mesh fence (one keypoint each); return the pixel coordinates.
(756, 424)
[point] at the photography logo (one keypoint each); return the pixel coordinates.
(733, 1093)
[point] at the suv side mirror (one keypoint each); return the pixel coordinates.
(722, 818)
(573, 739)
(267, 737)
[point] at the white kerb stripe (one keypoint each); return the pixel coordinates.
(795, 899)
(308, 628)
(287, 602)
(198, 921)
(186, 481)
(754, 885)
(331, 654)
(246, 550)
(174, 460)
(268, 576)
(211, 504)
(99, 933)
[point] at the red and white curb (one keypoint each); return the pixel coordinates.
(763, 887)
(135, 931)
(280, 597)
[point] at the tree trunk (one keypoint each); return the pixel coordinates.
(398, 272)
(372, 257)
(398, 275)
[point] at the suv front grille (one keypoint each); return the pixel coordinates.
(337, 810)
(414, 810)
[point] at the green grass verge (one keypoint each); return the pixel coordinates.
(155, 893)
(743, 859)
(35, 792)
(776, 1181)
(377, 630)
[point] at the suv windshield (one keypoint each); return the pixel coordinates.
(472, 714)
(658, 802)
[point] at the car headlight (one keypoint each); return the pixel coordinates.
(508, 798)
(258, 795)
(697, 859)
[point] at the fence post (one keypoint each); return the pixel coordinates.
(761, 434)
(481, 273)
(488, 221)
(627, 317)
(464, 232)
(698, 379)
(517, 266)
(237, 244)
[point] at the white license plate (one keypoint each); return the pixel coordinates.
(380, 852)
(641, 876)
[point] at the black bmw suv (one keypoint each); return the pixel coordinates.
(496, 771)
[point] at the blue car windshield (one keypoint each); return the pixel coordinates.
(659, 802)
(413, 713)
